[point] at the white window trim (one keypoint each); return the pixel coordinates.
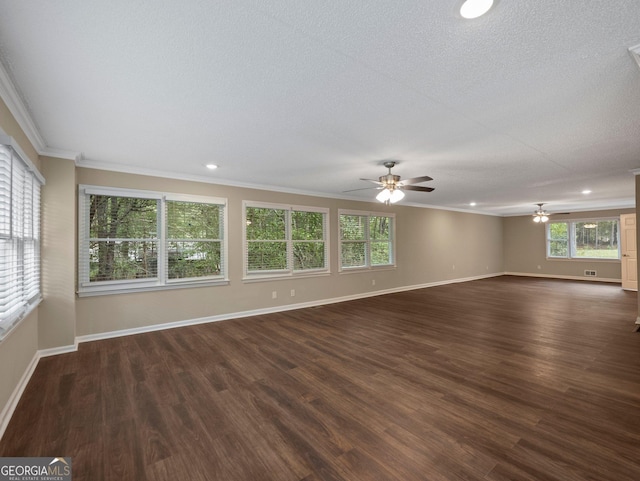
(160, 282)
(571, 241)
(367, 267)
(290, 272)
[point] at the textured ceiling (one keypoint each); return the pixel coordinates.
(534, 102)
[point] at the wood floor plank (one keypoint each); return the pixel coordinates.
(473, 381)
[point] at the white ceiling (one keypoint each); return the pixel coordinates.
(534, 102)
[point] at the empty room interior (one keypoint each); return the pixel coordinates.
(321, 241)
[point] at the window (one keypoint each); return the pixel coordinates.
(139, 240)
(285, 240)
(194, 239)
(123, 238)
(584, 239)
(366, 240)
(558, 239)
(19, 236)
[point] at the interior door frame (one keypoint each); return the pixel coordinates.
(628, 252)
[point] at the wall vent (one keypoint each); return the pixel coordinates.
(591, 273)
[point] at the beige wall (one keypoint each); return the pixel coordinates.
(429, 244)
(525, 249)
(57, 321)
(11, 128)
(17, 351)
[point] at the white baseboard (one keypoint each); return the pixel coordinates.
(270, 310)
(12, 403)
(54, 351)
(571, 278)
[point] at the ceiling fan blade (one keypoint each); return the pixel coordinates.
(363, 188)
(415, 180)
(418, 188)
(374, 181)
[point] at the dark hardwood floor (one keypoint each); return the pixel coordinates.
(500, 379)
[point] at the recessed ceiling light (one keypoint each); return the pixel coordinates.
(472, 204)
(475, 8)
(212, 166)
(586, 191)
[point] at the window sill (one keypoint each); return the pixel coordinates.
(581, 259)
(23, 315)
(279, 277)
(360, 270)
(112, 290)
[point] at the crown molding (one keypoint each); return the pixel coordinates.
(127, 169)
(60, 154)
(16, 106)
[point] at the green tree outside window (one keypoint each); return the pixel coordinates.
(366, 240)
(284, 240)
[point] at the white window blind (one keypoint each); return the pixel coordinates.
(19, 237)
(266, 238)
(5, 193)
(353, 241)
(122, 238)
(195, 232)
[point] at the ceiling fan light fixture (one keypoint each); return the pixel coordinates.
(390, 196)
(475, 8)
(396, 195)
(384, 195)
(540, 215)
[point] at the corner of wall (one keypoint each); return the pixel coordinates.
(57, 314)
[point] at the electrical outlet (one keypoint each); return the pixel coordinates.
(373, 282)
(293, 293)
(274, 295)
